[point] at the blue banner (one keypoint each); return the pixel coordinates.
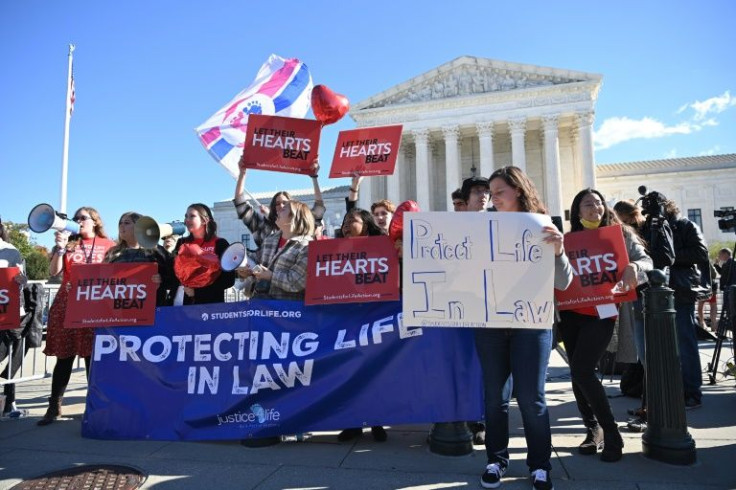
(262, 368)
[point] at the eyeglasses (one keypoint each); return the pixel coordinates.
(79, 219)
(480, 191)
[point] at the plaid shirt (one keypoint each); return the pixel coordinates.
(289, 267)
(258, 224)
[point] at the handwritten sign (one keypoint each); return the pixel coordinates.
(281, 144)
(489, 270)
(352, 270)
(9, 298)
(598, 258)
(367, 151)
(111, 295)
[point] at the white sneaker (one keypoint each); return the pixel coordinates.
(541, 480)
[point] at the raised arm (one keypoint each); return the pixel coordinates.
(318, 210)
(352, 198)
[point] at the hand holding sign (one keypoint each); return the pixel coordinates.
(328, 106)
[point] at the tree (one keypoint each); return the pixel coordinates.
(36, 256)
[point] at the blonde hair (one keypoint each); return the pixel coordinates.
(302, 223)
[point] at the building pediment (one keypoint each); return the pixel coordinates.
(471, 76)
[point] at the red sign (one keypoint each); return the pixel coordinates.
(111, 295)
(281, 144)
(9, 298)
(367, 151)
(352, 270)
(598, 258)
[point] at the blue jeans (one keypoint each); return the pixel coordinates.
(687, 342)
(522, 355)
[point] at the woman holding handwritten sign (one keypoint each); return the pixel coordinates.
(521, 352)
(586, 335)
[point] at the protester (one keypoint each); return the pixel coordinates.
(128, 250)
(88, 247)
(519, 352)
(586, 335)
(262, 224)
(476, 193)
(282, 260)
(458, 202)
(359, 222)
(281, 270)
(202, 230)
(11, 257)
(690, 249)
(356, 223)
(382, 212)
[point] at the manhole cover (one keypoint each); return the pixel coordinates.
(87, 477)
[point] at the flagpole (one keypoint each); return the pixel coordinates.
(67, 118)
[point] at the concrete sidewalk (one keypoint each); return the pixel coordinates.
(403, 462)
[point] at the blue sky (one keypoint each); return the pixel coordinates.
(147, 73)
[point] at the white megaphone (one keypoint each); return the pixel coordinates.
(236, 256)
(43, 218)
(148, 231)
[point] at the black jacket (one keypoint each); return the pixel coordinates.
(690, 249)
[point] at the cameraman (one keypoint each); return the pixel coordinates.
(690, 249)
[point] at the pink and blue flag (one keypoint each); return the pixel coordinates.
(282, 88)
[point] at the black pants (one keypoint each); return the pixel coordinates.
(586, 338)
(62, 375)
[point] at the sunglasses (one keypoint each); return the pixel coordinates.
(79, 219)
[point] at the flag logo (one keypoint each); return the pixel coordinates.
(282, 87)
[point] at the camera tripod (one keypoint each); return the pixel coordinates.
(726, 323)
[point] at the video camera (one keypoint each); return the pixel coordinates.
(652, 203)
(728, 218)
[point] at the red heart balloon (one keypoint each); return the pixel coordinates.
(195, 268)
(328, 106)
(396, 227)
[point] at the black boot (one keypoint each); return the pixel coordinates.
(53, 412)
(349, 434)
(379, 433)
(593, 441)
(613, 446)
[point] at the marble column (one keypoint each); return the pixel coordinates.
(553, 177)
(517, 128)
(452, 163)
(485, 139)
(584, 122)
(393, 184)
(421, 141)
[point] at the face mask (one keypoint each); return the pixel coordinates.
(590, 225)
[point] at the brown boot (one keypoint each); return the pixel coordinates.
(53, 412)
